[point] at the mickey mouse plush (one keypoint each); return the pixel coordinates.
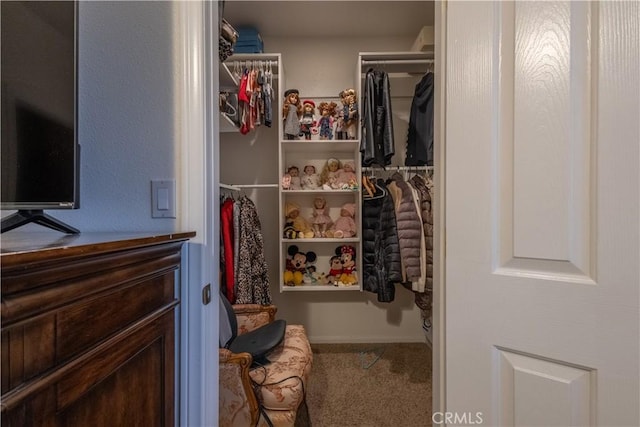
(297, 264)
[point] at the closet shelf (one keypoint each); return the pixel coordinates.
(322, 240)
(397, 63)
(304, 288)
(315, 146)
(319, 191)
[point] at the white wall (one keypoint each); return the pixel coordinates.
(130, 64)
(328, 65)
(126, 115)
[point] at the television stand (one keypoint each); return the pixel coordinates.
(26, 216)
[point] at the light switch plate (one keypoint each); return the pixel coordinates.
(163, 198)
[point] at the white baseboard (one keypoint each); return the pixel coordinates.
(364, 339)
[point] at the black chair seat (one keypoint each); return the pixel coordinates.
(261, 341)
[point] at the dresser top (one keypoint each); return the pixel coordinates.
(37, 245)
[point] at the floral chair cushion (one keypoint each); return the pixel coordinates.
(281, 382)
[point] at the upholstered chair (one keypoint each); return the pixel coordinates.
(266, 394)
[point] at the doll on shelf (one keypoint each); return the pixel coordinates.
(341, 127)
(307, 122)
(291, 113)
(345, 226)
(310, 179)
(327, 111)
(350, 112)
(295, 182)
(330, 173)
(296, 226)
(346, 177)
(321, 220)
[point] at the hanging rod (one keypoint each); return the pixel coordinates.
(397, 61)
(396, 168)
(229, 187)
(261, 62)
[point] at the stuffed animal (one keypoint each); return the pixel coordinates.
(347, 255)
(296, 226)
(297, 265)
(313, 277)
(345, 226)
(335, 270)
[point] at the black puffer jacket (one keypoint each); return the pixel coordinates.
(381, 267)
(377, 145)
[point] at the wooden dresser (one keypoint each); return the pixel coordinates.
(88, 328)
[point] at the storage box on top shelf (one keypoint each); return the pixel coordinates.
(249, 41)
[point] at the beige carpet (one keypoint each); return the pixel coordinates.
(369, 385)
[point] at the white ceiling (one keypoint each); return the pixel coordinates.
(334, 18)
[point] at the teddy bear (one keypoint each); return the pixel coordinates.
(297, 265)
(295, 226)
(345, 226)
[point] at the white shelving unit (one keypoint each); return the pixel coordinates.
(302, 152)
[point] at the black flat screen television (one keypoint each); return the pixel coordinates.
(39, 147)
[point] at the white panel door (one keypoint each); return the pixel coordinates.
(542, 213)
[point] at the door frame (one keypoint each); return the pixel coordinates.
(198, 118)
(439, 353)
(197, 142)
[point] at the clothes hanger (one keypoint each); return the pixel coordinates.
(382, 190)
(368, 186)
(376, 190)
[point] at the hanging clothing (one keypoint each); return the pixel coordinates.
(377, 144)
(267, 94)
(226, 231)
(253, 278)
(381, 267)
(424, 187)
(420, 134)
(409, 230)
